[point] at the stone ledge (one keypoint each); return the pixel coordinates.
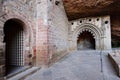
(23, 74)
(115, 59)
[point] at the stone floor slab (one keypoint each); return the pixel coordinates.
(78, 65)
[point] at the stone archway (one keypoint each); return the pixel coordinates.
(15, 43)
(86, 41)
(96, 33)
(96, 26)
(29, 41)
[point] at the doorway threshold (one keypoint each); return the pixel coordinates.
(16, 71)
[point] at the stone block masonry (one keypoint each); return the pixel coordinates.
(52, 32)
(25, 12)
(58, 31)
(115, 59)
(41, 33)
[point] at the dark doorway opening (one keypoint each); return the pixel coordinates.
(115, 44)
(86, 41)
(14, 39)
(115, 41)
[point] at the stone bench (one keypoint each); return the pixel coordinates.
(115, 59)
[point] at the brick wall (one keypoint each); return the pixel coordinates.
(41, 32)
(58, 31)
(52, 32)
(42, 37)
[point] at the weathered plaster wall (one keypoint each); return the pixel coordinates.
(58, 31)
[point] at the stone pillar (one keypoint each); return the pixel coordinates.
(97, 44)
(107, 33)
(2, 54)
(41, 33)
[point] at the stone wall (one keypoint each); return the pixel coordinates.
(41, 32)
(23, 10)
(46, 28)
(51, 31)
(48, 31)
(99, 27)
(2, 45)
(58, 31)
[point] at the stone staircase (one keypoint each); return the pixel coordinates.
(23, 74)
(115, 59)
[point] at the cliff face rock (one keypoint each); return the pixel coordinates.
(84, 8)
(115, 31)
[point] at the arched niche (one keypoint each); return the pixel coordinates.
(94, 30)
(18, 47)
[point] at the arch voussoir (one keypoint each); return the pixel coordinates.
(94, 30)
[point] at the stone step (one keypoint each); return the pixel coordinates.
(24, 74)
(115, 59)
(18, 71)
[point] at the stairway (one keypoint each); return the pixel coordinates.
(24, 74)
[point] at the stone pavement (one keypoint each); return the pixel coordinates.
(78, 65)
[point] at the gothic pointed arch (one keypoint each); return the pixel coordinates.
(94, 30)
(88, 27)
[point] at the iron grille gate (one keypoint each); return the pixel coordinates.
(15, 50)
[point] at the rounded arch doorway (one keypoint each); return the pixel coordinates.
(14, 39)
(86, 41)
